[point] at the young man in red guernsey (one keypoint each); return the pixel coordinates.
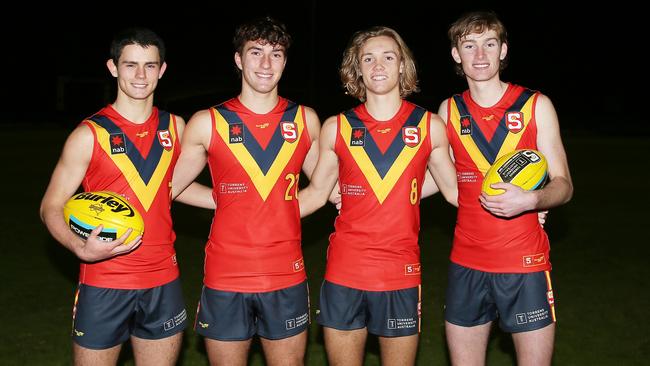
(255, 145)
(500, 265)
(129, 147)
(379, 152)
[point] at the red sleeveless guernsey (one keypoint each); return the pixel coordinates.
(381, 171)
(136, 161)
(479, 136)
(255, 162)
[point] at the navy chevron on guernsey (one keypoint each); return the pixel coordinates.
(263, 157)
(145, 166)
(384, 161)
(490, 150)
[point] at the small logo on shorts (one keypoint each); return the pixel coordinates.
(521, 318)
(534, 260)
(392, 324)
(78, 333)
(299, 321)
(203, 325)
(550, 298)
(176, 320)
(290, 324)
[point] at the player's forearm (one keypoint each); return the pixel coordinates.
(557, 192)
(197, 195)
(53, 219)
(429, 187)
(311, 199)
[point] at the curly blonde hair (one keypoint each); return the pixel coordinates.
(350, 70)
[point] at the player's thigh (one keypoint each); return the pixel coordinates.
(282, 313)
(287, 351)
(94, 357)
(102, 316)
(468, 300)
(535, 347)
(467, 345)
(230, 353)
(154, 352)
(398, 351)
(345, 347)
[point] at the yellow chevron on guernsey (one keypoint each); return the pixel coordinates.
(263, 183)
(382, 187)
(142, 190)
(509, 144)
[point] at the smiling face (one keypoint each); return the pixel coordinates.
(261, 66)
(480, 55)
(381, 65)
(137, 71)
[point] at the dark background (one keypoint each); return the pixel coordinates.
(587, 59)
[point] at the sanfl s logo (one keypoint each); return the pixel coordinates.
(411, 136)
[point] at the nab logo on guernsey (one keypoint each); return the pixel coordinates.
(465, 125)
(236, 133)
(358, 136)
(411, 136)
(118, 145)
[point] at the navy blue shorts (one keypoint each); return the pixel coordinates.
(105, 317)
(238, 316)
(384, 313)
(521, 301)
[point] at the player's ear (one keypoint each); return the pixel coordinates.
(163, 67)
(504, 51)
(112, 68)
(455, 55)
(238, 60)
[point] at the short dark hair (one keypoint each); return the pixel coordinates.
(265, 30)
(136, 35)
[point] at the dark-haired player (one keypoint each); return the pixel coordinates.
(255, 145)
(129, 147)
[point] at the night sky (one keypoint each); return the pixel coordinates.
(588, 62)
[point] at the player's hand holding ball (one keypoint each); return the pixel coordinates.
(106, 221)
(506, 183)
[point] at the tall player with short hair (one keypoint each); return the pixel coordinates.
(255, 145)
(129, 147)
(379, 152)
(500, 257)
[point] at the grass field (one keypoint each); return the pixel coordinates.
(600, 253)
